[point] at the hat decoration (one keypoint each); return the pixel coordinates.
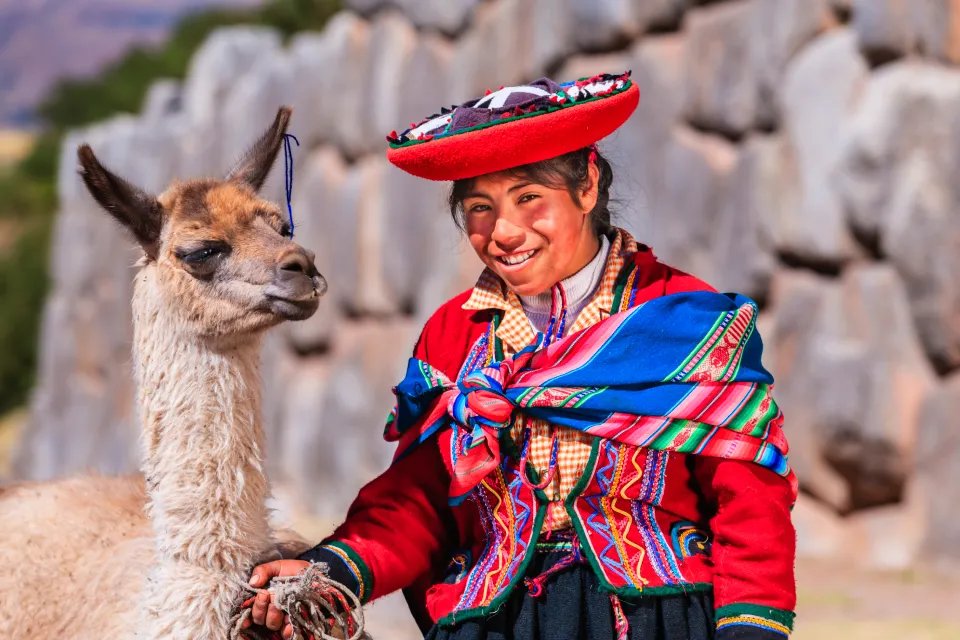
(514, 126)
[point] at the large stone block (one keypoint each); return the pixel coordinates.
(884, 28)
(251, 106)
(448, 16)
(551, 37)
(851, 376)
(475, 63)
(780, 30)
(721, 89)
(392, 43)
(660, 14)
(359, 224)
(937, 24)
(317, 197)
(604, 24)
(637, 148)
(937, 465)
(741, 249)
(225, 56)
(820, 93)
(426, 81)
(898, 178)
(821, 532)
(685, 206)
(329, 68)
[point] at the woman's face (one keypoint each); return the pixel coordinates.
(531, 235)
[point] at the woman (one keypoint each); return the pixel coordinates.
(588, 447)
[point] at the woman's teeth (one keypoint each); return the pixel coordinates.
(516, 259)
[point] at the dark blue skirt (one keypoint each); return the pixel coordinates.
(572, 607)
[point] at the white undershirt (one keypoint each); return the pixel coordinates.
(580, 289)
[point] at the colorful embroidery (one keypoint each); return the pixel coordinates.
(689, 540)
(460, 563)
(658, 549)
(754, 621)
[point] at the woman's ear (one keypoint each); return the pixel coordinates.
(590, 192)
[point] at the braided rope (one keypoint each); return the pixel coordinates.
(316, 604)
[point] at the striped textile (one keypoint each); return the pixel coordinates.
(679, 373)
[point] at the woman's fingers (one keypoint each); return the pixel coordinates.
(264, 572)
(287, 630)
(260, 607)
(274, 618)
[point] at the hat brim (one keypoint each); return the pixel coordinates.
(521, 140)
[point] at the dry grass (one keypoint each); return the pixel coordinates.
(10, 427)
(14, 145)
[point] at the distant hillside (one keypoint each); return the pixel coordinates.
(44, 40)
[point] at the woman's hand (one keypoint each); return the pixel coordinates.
(264, 612)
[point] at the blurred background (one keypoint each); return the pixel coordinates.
(803, 152)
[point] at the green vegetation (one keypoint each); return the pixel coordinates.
(28, 190)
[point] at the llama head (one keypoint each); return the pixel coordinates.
(223, 257)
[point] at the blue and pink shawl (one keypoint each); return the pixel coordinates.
(678, 373)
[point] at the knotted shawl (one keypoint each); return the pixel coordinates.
(680, 372)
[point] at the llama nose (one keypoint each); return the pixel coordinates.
(298, 261)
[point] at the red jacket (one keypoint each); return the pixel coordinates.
(400, 533)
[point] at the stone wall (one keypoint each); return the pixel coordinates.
(803, 152)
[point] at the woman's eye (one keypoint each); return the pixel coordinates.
(527, 197)
(479, 208)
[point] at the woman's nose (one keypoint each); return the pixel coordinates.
(507, 234)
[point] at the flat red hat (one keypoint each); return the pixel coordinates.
(514, 126)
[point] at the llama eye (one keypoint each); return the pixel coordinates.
(200, 256)
(286, 231)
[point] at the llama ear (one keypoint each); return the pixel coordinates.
(254, 167)
(134, 208)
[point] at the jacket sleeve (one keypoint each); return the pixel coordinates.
(394, 530)
(754, 548)
(400, 523)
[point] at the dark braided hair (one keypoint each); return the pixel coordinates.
(570, 171)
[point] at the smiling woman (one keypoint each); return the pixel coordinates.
(588, 446)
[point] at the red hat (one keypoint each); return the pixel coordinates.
(514, 126)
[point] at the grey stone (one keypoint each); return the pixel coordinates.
(660, 14)
(887, 538)
(392, 42)
(452, 268)
(164, 98)
(225, 56)
(585, 66)
(359, 228)
(474, 60)
(696, 170)
(551, 37)
(318, 191)
(637, 148)
(851, 375)
(512, 48)
(898, 178)
(821, 532)
(426, 81)
(252, 104)
(741, 250)
(604, 24)
(721, 89)
(937, 465)
(780, 29)
(937, 26)
(884, 28)
(448, 16)
(795, 303)
(820, 92)
(329, 68)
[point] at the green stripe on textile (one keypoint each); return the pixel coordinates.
(696, 350)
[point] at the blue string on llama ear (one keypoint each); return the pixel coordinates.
(288, 173)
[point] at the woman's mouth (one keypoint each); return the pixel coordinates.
(516, 259)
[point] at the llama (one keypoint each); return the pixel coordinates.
(167, 554)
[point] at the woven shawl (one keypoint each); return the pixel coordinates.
(680, 373)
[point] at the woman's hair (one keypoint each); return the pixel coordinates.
(570, 171)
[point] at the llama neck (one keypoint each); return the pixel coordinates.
(202, 455)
